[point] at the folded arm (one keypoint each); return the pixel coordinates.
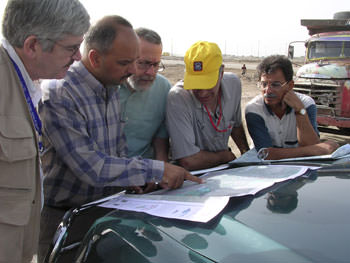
(322, 148)
(261, 138)
(306, 131)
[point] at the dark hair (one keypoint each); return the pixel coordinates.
(282, 203)
(148, 35)
(272, 63)
(104, 32)
(46, 19)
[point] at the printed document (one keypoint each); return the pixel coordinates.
(202, 202)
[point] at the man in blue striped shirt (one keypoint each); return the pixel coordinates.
(86, 154)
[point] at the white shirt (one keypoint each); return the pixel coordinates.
(34, 90)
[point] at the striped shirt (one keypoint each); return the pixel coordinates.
(85, 157)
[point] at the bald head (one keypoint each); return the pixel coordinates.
(102, 35)
(111, 49)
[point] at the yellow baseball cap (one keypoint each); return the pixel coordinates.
(203, 61)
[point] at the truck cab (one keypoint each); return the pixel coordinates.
(325, 75)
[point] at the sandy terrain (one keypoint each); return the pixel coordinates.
(174, 71)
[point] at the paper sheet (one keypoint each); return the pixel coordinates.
(202, 202)
(199, 210)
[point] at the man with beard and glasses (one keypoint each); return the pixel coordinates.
(204, 110)
(86, 157)
(143, 101)
(41, 39)
(281, 122)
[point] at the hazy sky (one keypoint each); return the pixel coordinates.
(246, 27)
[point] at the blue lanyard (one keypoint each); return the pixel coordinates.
(32, 110)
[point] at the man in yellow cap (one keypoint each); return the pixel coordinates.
(204, 109)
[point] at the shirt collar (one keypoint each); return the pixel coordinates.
(223, 91)
(33, 88)
(125, 87)
(226, 95)
(91, 82)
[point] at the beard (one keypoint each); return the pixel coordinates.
(142, 83)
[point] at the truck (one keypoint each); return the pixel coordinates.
(325, 74)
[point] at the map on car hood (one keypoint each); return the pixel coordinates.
(202, 202)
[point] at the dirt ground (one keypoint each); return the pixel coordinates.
(174, 71)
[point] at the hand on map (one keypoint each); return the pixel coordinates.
(174, 176)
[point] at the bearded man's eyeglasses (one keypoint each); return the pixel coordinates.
(145, 65)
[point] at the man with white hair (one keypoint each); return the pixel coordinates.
(42, 39)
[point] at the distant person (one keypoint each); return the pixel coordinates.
(86, 157)
(204, 110)
(281, 122)
(143, 101)
(41, 39)
(244, 70)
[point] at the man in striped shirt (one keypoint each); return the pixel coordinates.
(86, 155)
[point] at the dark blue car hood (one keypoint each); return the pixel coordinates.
(303, 220)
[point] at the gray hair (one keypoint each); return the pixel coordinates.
(149, 35)
(102, 35)
(46, 19)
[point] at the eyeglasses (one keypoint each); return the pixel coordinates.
(72, 49)
(276, 85)
(145, 65)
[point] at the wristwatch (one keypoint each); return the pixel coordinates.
(301, 112)
(263, 153)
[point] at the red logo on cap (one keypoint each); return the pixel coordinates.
(197, 66)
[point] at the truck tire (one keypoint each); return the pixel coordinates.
(342, 15)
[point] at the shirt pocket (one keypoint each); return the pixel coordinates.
(17, 140)
(15, 206)
(18, 160)
(18, 153)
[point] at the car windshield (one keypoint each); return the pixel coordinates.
(328, 49)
